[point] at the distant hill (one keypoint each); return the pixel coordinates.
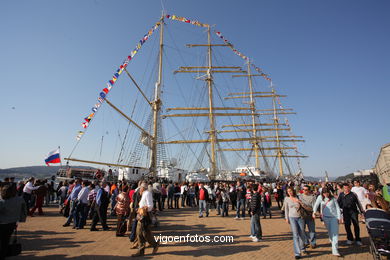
(345, 178)
(372, 178)
(35, 171)
(310, 178)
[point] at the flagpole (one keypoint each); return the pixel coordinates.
(60, 155)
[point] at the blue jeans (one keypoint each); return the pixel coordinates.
(203, 207)
(219, 207)
(332, 225)
(191, 199)
(297, 228)
(113, 203)
(176, 198)
(225, 210)
(311, 235)
(170, 201)
(81, 215)
(266, 210)
(183, 200)
(240, 204)
(256, 226)
(72, 212)
(133, 232)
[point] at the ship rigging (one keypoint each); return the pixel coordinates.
(233, 127)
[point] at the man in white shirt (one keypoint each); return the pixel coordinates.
(81, 208)
(361, 193)
(27, 191)
(144, 233)
(146, 198)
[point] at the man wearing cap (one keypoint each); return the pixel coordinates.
(144, 233)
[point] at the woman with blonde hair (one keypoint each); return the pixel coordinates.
(379, 202)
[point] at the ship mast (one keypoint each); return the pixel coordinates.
(213, 112)
(253, 111)
(252, 108)
(156, 106)
(208, 70)
(212, 133)
(276, 124)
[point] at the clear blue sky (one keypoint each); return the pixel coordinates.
(331, 58)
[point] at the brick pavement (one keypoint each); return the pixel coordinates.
(44, 237)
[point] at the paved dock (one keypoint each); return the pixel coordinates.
(43, 237)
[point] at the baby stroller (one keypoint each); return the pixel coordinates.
(378, 228)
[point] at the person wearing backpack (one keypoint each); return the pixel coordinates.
(330, 212)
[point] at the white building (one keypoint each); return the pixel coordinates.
(382, 166)
(363, 173)
(132, 174)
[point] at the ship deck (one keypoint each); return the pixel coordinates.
(44, 237)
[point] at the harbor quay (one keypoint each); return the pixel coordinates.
(44, 237)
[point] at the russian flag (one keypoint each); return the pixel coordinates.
(53, 157)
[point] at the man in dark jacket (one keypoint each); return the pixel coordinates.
(233, 196)
(350, 204)
(241, 192)
(255, 211)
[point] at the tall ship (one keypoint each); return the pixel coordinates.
(186, 105)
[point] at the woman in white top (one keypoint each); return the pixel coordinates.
(330, 212)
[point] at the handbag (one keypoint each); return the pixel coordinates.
(322, 215)
(14, 248)
(66, 210)
(304, 213)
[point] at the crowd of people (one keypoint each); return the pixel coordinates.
(136, 206)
